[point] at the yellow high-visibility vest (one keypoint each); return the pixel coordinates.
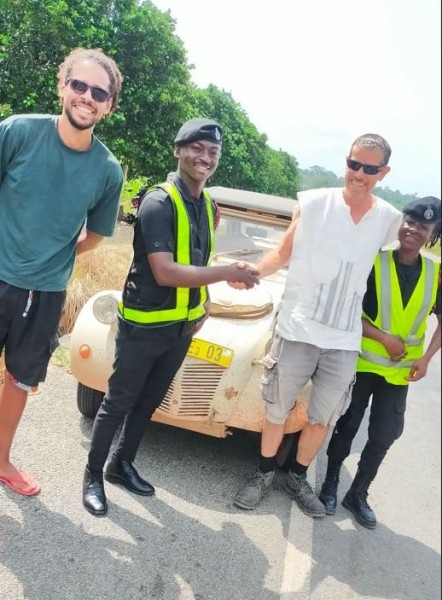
(181, 310)
(408, 323)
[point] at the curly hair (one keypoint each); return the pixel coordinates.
(98, 57)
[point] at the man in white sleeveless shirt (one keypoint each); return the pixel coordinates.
(330, 246)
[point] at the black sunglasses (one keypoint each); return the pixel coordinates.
(81, 87)
(354, 165)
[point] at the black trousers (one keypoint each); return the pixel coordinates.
(146, 361)
(386, 422)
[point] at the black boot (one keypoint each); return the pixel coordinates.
(356, 500)
(94, 498)
(124, 473)
(329, 490)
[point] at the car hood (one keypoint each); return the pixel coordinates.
(248, 314)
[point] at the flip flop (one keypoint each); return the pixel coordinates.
(27, 486)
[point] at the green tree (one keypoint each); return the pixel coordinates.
(280, 174)
(157, 97)
(37, 34)
(243, 145)
(394, 197)
(317, 177)
(247, 161)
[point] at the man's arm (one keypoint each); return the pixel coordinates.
(88, 241)
(419, 368)
(169, 273)
(275, 259)
(393, 345)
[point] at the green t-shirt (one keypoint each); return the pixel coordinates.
(47, 193)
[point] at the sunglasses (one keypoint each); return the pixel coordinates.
(81, 87)
(354, 165)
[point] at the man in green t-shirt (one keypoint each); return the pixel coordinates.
(55, 178)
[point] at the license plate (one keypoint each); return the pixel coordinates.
(213, 353)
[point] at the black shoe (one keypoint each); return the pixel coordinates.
(328, 496)
(358, 505)
(124, 473)
(94, 498)
(355, 500)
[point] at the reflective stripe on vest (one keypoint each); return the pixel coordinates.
(181, 311)
(409, 324)
(386, 362)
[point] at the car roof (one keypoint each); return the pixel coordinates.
(266, 203)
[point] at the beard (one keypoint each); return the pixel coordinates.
(79, 125)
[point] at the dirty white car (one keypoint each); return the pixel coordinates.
(218, 385)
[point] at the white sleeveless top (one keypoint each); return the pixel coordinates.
(330, 263)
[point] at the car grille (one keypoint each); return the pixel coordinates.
(191, 392)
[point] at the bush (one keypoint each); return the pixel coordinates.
(130, 189)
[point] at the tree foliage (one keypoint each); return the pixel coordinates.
(38, 34)
(395, 197)
(157, 97)
(318, 177)
(247, 161)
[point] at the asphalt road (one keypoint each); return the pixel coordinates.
(190, 543)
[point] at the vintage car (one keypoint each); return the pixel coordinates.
(217, 388)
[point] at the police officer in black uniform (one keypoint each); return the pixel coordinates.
(165, 301)
(388, 361)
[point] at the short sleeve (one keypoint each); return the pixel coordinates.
(101, 219)
(156, 220)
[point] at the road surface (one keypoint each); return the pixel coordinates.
(189, 542)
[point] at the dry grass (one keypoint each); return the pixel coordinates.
(102, 269)
(2, 364)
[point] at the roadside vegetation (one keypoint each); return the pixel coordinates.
(158, 96)
(101, 269)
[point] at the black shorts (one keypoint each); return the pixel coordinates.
(28, 331)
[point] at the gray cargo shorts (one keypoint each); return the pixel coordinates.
(289, 366)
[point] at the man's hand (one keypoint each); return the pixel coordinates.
(418, 370)
(394, 346)
(244, 276)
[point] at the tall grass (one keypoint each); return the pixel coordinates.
(101, 269)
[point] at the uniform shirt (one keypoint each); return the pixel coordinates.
(408, 276)
(157, 222)
(47, 193)
(155, 231)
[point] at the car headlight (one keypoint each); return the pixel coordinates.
(105, 309)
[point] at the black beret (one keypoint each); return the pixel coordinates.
(199, 129)
(425, 210)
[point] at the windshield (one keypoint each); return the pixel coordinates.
(245, 239)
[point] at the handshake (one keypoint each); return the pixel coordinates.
(242, 276)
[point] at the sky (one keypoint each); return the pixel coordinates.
(314, 74)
